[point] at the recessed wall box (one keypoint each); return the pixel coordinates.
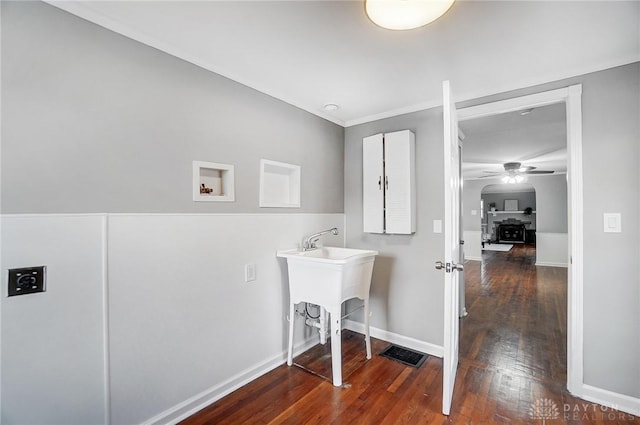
(213, 182)
(27, 280)
(279, 184)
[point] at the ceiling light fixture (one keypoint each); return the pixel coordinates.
(513, 178)
(405, 14)
(331, 107)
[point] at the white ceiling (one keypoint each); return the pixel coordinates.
(309, 53)
(537, 139)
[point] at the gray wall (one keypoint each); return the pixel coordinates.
(406, 292)
(611, 153)
(95, 122)
(525, 199)
(105, 124)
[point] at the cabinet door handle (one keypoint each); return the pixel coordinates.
(380, 182)
(386, 182)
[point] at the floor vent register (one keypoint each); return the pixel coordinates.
(404, 355)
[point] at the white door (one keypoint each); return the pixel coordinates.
(373, 184)
(451, 247)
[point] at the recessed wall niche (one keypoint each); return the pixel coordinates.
(213, 182)
(279, 184)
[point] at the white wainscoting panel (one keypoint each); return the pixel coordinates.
(53, 343)
(472, 244)
(552, 249)
(184, 325)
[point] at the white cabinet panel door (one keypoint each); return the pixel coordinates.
(373, 184)
(399, 149)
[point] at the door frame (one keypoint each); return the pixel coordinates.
(571, 96)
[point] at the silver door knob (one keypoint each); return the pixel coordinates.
(458, 267)
(439, 265)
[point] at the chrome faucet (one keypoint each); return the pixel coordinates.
(309, 242)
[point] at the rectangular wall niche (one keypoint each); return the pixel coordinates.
(213, 182)
(279, 185)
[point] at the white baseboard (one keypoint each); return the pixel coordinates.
(467, 258)
(405, 341)
(621, 402)
(547, 264)
(183, 410)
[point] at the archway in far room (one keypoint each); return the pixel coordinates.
(507, 216)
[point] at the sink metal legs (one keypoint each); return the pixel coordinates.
(336, 339)
(336, 348)
(367, 337)
(292, 317)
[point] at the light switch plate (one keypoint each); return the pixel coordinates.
(437, 226)
(249, 272)
(612, 222)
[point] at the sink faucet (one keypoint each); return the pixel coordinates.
(309, 242)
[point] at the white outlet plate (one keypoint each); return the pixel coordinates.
(249, 272)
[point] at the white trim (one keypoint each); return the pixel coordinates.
(611, 399)
(575, 319)
(142, 214)
(393, 113)
(194, 404)
(106, 360)
(513, 104)
(394, 338)
(572, 97)
(549, 264)
(36, 215)
(467, 258)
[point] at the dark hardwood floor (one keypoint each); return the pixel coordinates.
(512, 366)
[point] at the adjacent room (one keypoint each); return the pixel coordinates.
(249, 211)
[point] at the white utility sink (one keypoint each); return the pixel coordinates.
(327, 277)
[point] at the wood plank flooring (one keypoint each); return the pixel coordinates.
(512, 366)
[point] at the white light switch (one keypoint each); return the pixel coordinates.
(249, 272)
(612, 222)
(437, 226)
(474, 212)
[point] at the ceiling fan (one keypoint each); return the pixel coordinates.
(515, 172)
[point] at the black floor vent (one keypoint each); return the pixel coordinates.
(404, 355)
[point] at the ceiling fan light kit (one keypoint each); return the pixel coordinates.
(513, 179)
(515, 172)
(402, 15)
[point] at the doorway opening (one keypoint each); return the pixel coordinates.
(569, 99)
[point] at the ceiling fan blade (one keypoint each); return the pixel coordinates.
(538, 172)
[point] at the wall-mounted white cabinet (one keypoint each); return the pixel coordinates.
(389, 190)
